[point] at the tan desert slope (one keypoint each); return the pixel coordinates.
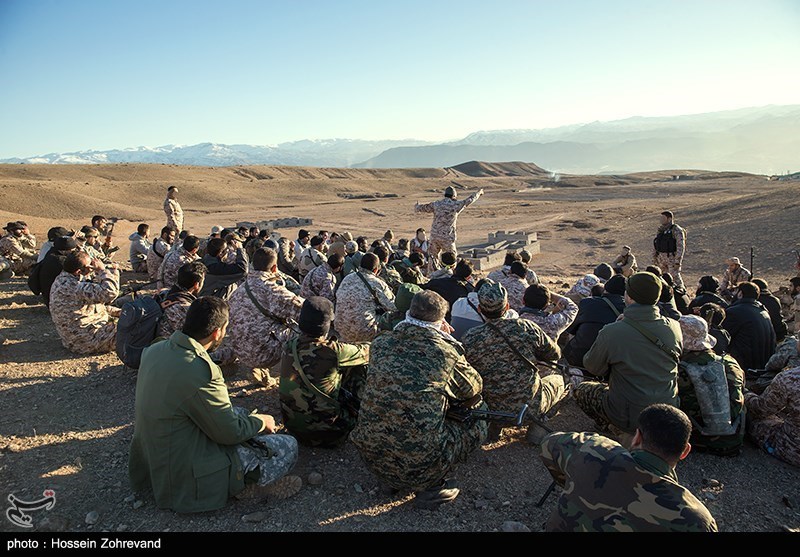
(582, 220)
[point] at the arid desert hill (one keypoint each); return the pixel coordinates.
(582, 220)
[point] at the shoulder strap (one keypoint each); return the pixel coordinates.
(611, 305)
(371, 291)
(301, 373)
(262, 309)
(497, 330)
(654, 339)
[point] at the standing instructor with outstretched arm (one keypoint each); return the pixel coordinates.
(443, 230)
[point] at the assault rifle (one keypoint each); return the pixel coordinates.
(468, 412)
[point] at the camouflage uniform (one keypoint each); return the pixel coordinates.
(174, 215)
(408, 273)
(795, 327)
(320, 282)
(731, 279)
(94, 253)
(443, 230)
(608, 489)
(311, 259)
(168, 273)
(313, 409)
(774, 417)
(786, 355)
(583, 288)
(356, 311)
(291, 285)
(174, 312)
(627, 263)
(28, 241)
(721, 445)
(402, 433)
(20, 257)
(79, 312)
(515, 286)
(155, 256)
(508, 381)
(391, 277)
(256, 338)
(555, 323)
(671, 262)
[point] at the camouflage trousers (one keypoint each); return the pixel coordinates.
(771, 436)
(668, 263)
(551, 392)
(437, 246)
(23, 265)
(139, 267)
(97, 340)
(589, 396)
(264, 467)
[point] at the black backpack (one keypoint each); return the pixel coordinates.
(137, 328)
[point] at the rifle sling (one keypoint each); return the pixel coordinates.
(497, 330)
(262, 309)
(654, 339)
(378, 303)
(611, 305)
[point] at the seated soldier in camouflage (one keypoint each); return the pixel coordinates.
(386, 272)
(416, 372)
(700, 364)
(505, 352)
(321, 379)
(607, 488)
(774, 417)
(410, 268)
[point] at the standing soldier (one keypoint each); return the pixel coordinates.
(669, 246)
(443, 230)
(78, 307)
(12, 249)
(173, 210)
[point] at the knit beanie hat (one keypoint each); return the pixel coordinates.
(316, 316)
(616, 285)
(644, 288)
(604, 271)
(405, 293)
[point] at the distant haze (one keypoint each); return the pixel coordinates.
(763, 140)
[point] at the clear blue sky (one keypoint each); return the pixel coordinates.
(101, 74)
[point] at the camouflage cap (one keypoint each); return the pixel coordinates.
(11, 226)
(695, 334)
(492, 298)
(351, 247)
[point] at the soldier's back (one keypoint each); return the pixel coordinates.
(609, 489)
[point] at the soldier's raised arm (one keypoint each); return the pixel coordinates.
(104, 290)
(423, 208)
(470, 200)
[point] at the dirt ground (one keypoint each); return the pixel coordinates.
(67, 420)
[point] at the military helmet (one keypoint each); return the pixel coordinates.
(450, 192)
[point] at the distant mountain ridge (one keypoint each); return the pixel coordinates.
(764, 140)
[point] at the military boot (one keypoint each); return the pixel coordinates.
(433, 497)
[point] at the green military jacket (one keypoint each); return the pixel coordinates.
(641, 374)
(608, 489)
(313, 371)
(186, 432)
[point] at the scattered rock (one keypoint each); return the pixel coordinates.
(358, 488)
(254, 517)
(581, 224)
(138, 504)
(314, 478)
(512, 526)
(489, 493)
(92, 517)
(481, 504)
(129, 499)
(711, 496)
(712, 483)
(123, 528)
(53, 523)
(505, 504)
